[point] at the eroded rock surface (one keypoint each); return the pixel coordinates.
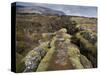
(56, 52)
(88, 45)
(34, 57)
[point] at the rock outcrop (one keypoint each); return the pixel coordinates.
(57, 52)
(88, 45)
(52, 42)
(34, 57)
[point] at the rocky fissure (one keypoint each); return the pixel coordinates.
(57, 53)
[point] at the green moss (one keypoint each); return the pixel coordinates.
(73, 51)
(66, 36)
(45, 46)
(75, 61)
(85, 62)
(44, 64)
(33, 53)
(20, 65)
(47, 36)
(86, 44)
(45, 61)
(74, 55)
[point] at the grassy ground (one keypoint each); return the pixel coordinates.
(30, 30)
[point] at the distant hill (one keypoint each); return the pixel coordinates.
(37, 9)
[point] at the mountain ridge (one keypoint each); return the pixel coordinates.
(37, 9)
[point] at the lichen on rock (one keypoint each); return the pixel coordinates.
(88, 44)
(88, 40)
(57, 52)
(34, 57)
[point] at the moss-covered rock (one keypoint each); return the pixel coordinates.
(88, 41)
(74, 56)
(85, 62)
(47, 36)
(88, 45)
(56, 52)
(34, 57)
(63, 54)
(44, 64)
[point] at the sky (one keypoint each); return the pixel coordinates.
(87, 11)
